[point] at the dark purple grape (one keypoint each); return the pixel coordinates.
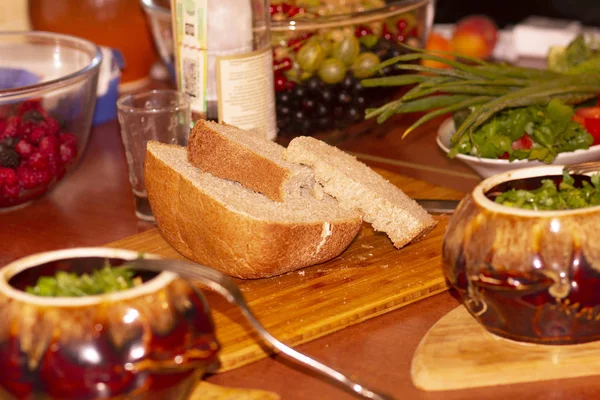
(283, 110)
(386, 70)
(306, 127)
(354, 114)
(282, 123)
(358, 87)
(308, 104)
(322, 110)
(327, 94)
(283, 97)
(360, 101)
(324, 123)
(338, 112)
(299, 115)
(344, 97)
(299, 92)
(314, 84)
(347, 83)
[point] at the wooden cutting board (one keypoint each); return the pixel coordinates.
(369, 278)
(458, 353)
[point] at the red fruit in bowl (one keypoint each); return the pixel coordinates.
(8, 176)
(475, 36)
(67, 153)
(12, 127)
(52, 126)
(280, 82)
(2, 125)
(11, 192)
(362, 30)
(28, 105)
(48, 145)
(24, 148)
(27, 177)
(68, 138)
(36, 134)
(38, 161)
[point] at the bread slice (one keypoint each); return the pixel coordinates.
(242, 233)
(357, 186)
(246, 157)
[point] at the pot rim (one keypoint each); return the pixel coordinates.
(34, 260)
(483, 187)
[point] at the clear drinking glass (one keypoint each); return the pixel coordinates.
(161, 115)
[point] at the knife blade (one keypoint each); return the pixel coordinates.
(438, 206)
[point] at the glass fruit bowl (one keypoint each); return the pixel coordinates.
(47, 98)
(322, 50)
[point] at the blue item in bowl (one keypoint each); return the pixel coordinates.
(11, 78)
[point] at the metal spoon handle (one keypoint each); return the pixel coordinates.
(228, 289)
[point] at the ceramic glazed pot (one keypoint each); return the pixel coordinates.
(531, 276)
(150, 342)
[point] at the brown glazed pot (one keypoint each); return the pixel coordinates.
(531, 276)
(153, 341)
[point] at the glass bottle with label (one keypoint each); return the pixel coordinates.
(224, 62)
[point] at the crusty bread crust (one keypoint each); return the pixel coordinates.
(209, 232)
(356, 186)
(212, 149)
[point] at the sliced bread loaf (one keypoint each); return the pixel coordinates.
(242, 233)
(356, 186)
(247, 157)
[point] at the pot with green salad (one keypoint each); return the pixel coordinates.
(84, 324)
(502, 116)
(522, 252)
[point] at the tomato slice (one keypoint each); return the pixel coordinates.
(591, 121)
(524, 143)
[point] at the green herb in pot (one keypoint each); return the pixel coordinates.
(550, 197)
(105, 280)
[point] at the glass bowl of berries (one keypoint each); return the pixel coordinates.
(322, 49)
(47, 97)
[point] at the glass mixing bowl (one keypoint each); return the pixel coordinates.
(47, 97)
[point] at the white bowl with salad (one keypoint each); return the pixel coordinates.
(504, 117)
(578, 141)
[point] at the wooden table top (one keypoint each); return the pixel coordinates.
(94, 206)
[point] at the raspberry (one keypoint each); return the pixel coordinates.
(36, 134)
(48, 145)
(8, 176)
(12, 127)
(11, 192)
(38, 161)
(27, 105)
(2, 126)
(67, 153)
(24, 148)
(27, 177)
(68, 138)
(25, 129)
(52, 126)
(43, 177)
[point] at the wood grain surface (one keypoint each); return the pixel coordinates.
(370, 278)
(458, 353)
